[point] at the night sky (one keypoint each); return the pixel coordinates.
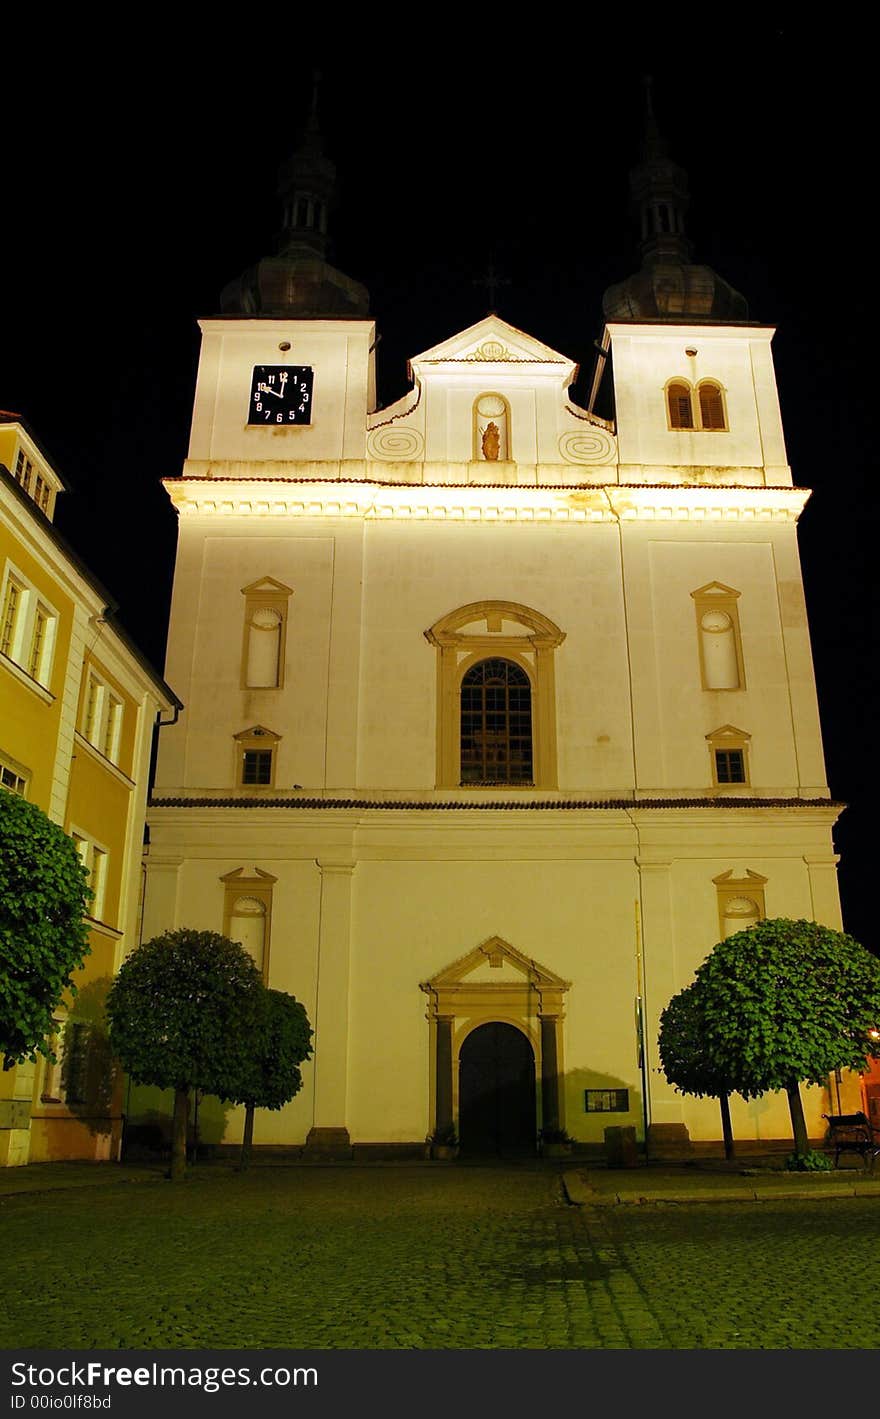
(455, 145)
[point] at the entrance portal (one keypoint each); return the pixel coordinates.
(496, 1095)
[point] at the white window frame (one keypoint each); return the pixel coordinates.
(102, 727)
(95, 858)
(14, 777)
(31, 602)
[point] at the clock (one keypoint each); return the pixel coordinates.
(281, 395)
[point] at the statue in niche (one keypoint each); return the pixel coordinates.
(491, 442)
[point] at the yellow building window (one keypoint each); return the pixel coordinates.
(12, 607)
(711, 403)
(14, 777)
(101, 717)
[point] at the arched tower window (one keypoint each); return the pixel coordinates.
(679, 405)
(247, 924)
(711, 405)
(496, 723)
(491, 429)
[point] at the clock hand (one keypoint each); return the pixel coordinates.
(266, 390)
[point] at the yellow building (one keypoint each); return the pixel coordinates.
(78, 705)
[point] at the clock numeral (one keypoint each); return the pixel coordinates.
(292, 414)
(278, 418)
(259, 407)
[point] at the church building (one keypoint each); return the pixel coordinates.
(499, 713)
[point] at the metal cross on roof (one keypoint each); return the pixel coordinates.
(492, 280)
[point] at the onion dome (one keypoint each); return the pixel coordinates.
(298, 280)
(668, 286)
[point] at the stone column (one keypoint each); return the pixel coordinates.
(329, 1133)
(550, 1109)
(443, 1082)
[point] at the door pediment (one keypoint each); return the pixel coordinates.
(496, 972)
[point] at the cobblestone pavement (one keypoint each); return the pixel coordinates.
(429, 1257)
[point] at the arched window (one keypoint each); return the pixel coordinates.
(496, 723)
(496, 658)
(711, 406)
(680, 408)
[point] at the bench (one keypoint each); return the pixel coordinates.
(853, 1133)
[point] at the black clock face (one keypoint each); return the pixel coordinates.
(281, 395)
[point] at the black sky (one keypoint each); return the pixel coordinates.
(141, 182)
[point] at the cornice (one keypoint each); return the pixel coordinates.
(218, 497)
(629, 806)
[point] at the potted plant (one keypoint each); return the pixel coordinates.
(554, 1143)
(444, 1141)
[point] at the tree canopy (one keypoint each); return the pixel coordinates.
(44, 896)
(782, 1003)
(274, 1044)
(686, 1057)
(178, 1011)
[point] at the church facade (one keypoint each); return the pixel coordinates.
(498, 713)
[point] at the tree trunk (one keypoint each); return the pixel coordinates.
(247, 1138)
(178, 1134)
(798, 1122)
(724, 1101)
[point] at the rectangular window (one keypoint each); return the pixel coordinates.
(13, 777)
(730, 766)
(94, 698)
(13, 600)
(23, 470)
(27, 628)
(256, 767)
(112, 729)
(606, 1101)
(74, 1066)
(94, 859)
(98, 880)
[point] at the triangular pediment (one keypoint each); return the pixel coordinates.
(728, 731)
(715, 588)
(751, 879)
(257, 731)
(255, 877)
(493, 342)
(496, 955)
(267, 586)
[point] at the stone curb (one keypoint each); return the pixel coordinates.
(579, 1193)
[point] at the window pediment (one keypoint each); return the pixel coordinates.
(495, 623)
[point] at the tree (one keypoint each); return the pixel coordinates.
(786, 1002)
(178, 1010)
(44, 896)
(686, 1059)
(273, 1046)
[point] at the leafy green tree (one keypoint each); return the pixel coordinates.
(686, 1059)
(787, 1002)
(178, 1010)
(274, 1044)
(44, 896)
